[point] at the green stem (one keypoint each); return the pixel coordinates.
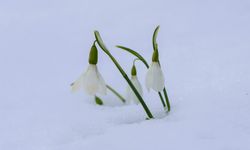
(167, 100)
(100, 43)
(116, 93)
(162, 101)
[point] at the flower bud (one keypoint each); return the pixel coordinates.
(133, 71)
(93, 55)
(98, 101)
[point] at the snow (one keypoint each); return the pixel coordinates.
(204, 52)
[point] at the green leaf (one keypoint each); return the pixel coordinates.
(116, 93)
(134, 53)
(100, 41)
(98, 100)
(155, 46)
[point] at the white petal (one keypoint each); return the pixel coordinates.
(155, 78)
(78, 84)
(91, 80)
(131, 95)
(149, 78)
(159, 80)
(137, 84)
(102, 88)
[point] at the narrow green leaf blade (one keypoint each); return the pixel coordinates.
(134, 53)
(155, 46)
(100, 41)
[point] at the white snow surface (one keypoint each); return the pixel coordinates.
(205, 55)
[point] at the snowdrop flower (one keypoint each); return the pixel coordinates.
(155, 78)
(132, 98)
(91, 81)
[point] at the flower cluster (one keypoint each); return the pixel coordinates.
(92, 82)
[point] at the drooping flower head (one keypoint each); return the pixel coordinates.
(155, 78)
(91, 81)
(132, 98)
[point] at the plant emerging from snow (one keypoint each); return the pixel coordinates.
(92, 82)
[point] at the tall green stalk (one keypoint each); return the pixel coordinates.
(125, 76)
(155, 47)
